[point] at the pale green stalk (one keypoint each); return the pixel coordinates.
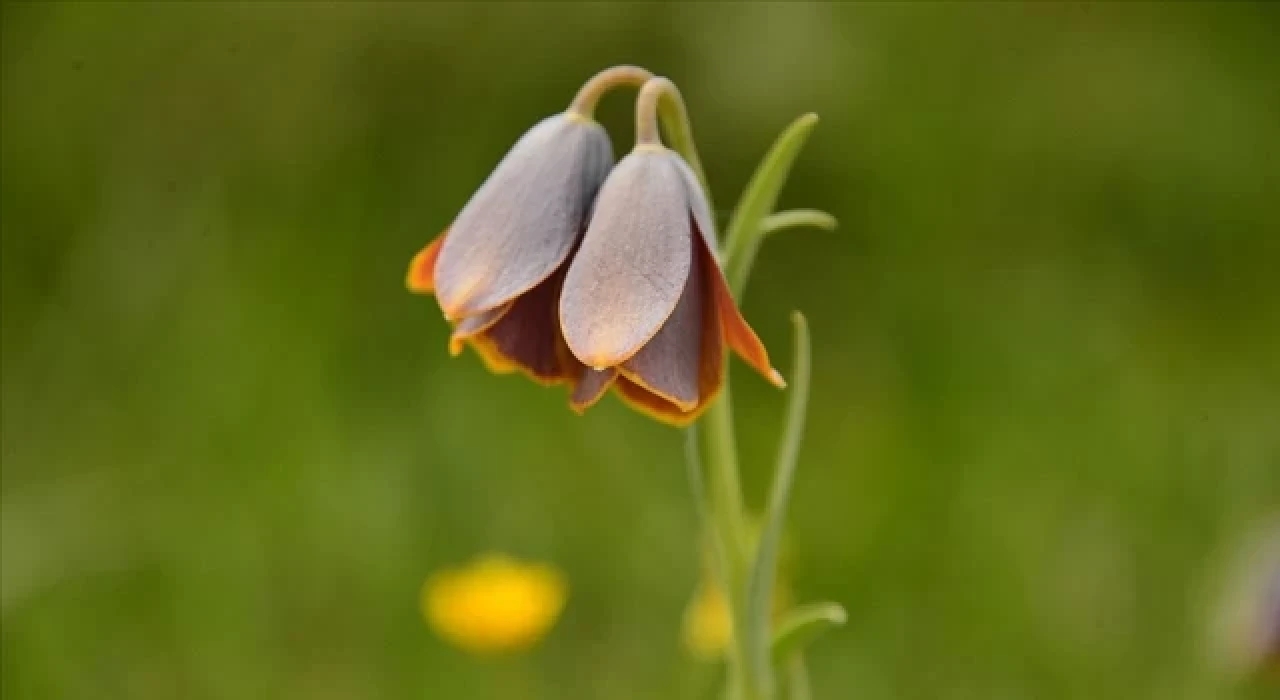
(747, 573)
(660, 98)
(584, 103)
(764, 570)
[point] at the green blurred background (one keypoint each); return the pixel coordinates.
(1047, 345)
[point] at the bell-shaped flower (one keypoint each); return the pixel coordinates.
(496, 271)
(645, 305)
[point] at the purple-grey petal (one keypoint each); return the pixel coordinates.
(668, 364)
(592, 385)
(473, 325)
(630, 271)
(699, 207)
(522, 223)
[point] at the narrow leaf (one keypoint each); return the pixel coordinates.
(764, 570)
(743, 237)
(796, 218)
(803, 625)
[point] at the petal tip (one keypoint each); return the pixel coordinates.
(599, 360)
(453, 312)
(421, 276)
(776, 379)
(457, 308)
(414, 279)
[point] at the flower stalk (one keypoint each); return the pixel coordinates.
(660, 99)
(746, 569)
(713, 444)
(584, 103)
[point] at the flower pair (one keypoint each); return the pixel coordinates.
(579, 272)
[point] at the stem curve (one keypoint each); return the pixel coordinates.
(584, 103)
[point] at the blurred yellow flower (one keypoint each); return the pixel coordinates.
(495, 604)
(708, 625)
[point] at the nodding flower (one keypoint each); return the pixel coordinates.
(498, 268)
(644, 305)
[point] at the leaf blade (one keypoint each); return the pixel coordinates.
(762, 579)
(797, 218)
(802, 625)
(742, 240)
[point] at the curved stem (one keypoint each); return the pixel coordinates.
(584, 103)
(661, 99)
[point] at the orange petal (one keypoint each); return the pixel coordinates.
(653, 405)
(493, 359)
(737, 333)
(422, 270)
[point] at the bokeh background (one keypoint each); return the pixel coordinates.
(1047, 346)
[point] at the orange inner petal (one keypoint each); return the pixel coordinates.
(422, 269)
(653, 405)
(683, 406)
(737, 332)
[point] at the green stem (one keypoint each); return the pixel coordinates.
(584, 103)
(661, 99)
(719, 451)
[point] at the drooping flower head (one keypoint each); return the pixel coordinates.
(645, 305)
(497, 270)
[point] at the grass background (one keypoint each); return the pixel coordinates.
(1047, 345)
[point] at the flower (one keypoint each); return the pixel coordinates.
(496, 271)
(707, 628)
(495, 604)
(645, 305)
